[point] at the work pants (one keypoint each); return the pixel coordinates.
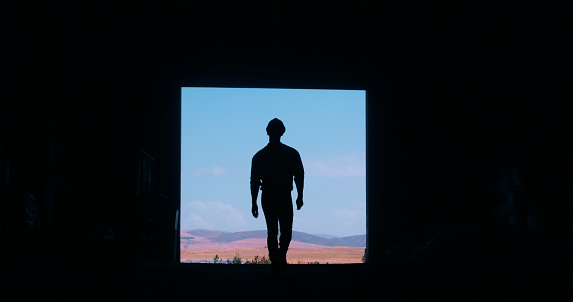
(278, 210)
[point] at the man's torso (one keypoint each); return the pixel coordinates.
(276, 166)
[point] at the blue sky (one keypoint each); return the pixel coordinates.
(221, 130)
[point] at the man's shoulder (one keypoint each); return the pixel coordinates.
(260, 152)
(284, 148)
(290, 149)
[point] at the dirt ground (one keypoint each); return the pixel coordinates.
(323, 255)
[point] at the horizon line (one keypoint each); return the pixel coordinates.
(264, 230)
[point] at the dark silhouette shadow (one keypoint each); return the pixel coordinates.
(272, 170)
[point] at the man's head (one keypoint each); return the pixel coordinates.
(276, 128)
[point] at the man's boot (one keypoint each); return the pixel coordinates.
(275, 264)
(282, 261)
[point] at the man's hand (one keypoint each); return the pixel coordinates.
(255, 210)
(299, 203)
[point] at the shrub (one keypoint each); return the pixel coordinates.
(259, 260)
(298, 261)
(217, 260)
(237, 259)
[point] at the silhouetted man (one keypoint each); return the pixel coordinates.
(273, 169)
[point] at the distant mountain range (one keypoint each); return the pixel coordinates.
(209, 239)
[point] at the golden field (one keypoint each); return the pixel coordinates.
(295, 255)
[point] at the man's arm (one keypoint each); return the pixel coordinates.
(255, 184)
(299, 181)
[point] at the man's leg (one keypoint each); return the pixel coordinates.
(272, 221)
(285, 220)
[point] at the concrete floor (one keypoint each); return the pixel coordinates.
(300, 283)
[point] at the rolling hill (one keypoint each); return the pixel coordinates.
(206, 239)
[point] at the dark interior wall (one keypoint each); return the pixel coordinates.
(448, 108)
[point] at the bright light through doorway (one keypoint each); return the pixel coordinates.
(221, 130)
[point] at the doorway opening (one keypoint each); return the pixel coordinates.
(221, 130)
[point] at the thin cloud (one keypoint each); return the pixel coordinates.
(349, 217)
(215, 171)
(198, 223)
(214, 215)
(351, 165)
